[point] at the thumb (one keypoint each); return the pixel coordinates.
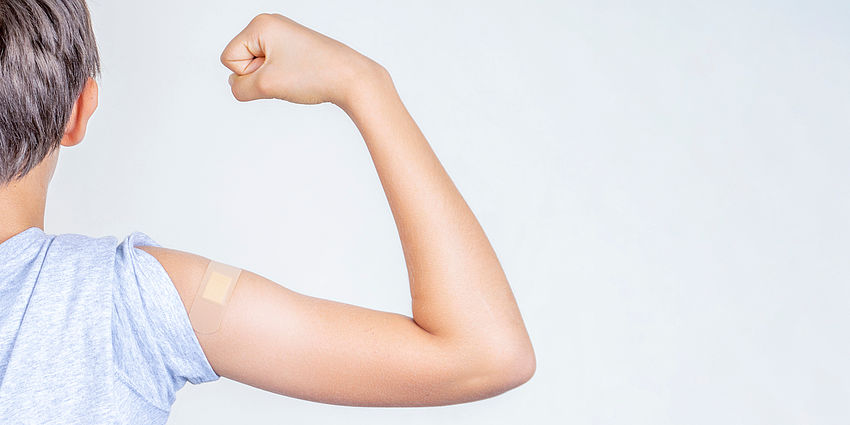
(244, 87)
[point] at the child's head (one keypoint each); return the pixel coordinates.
(48, 55)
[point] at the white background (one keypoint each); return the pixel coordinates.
(665, 183)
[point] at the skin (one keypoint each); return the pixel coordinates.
(22, 202)
(466, 340)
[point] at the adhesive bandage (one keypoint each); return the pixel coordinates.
(212, 297)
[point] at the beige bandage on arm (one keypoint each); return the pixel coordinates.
(212, 297)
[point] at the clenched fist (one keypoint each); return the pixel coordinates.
(274, 57)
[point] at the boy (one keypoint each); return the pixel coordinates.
(92, 332)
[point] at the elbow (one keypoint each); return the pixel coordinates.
(482, 373)
(522, 367)
(513, 368)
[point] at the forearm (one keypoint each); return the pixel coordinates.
(458, 288)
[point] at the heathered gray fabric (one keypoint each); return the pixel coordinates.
(92, 331)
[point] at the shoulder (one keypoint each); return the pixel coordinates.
(77, 254)
(183, 268)
(154, 345)
(82, 244)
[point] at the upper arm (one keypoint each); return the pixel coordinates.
(326, 351)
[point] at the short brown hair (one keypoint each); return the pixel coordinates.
(47, 53)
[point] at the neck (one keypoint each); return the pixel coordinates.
(22, 202)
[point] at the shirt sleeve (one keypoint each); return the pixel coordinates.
(155, 348)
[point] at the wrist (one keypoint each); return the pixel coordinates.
(367, 80)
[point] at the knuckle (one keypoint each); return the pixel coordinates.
(263, 85)
(238, 94)
(263, 17)
(266, 19)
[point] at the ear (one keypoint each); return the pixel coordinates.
(83, 109)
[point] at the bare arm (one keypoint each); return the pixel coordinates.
(466, 340)
(457, 285)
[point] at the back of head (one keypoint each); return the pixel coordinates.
(47, 53)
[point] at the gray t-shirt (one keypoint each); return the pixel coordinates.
(91, 332)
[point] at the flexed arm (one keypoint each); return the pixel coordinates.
(466, 340)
